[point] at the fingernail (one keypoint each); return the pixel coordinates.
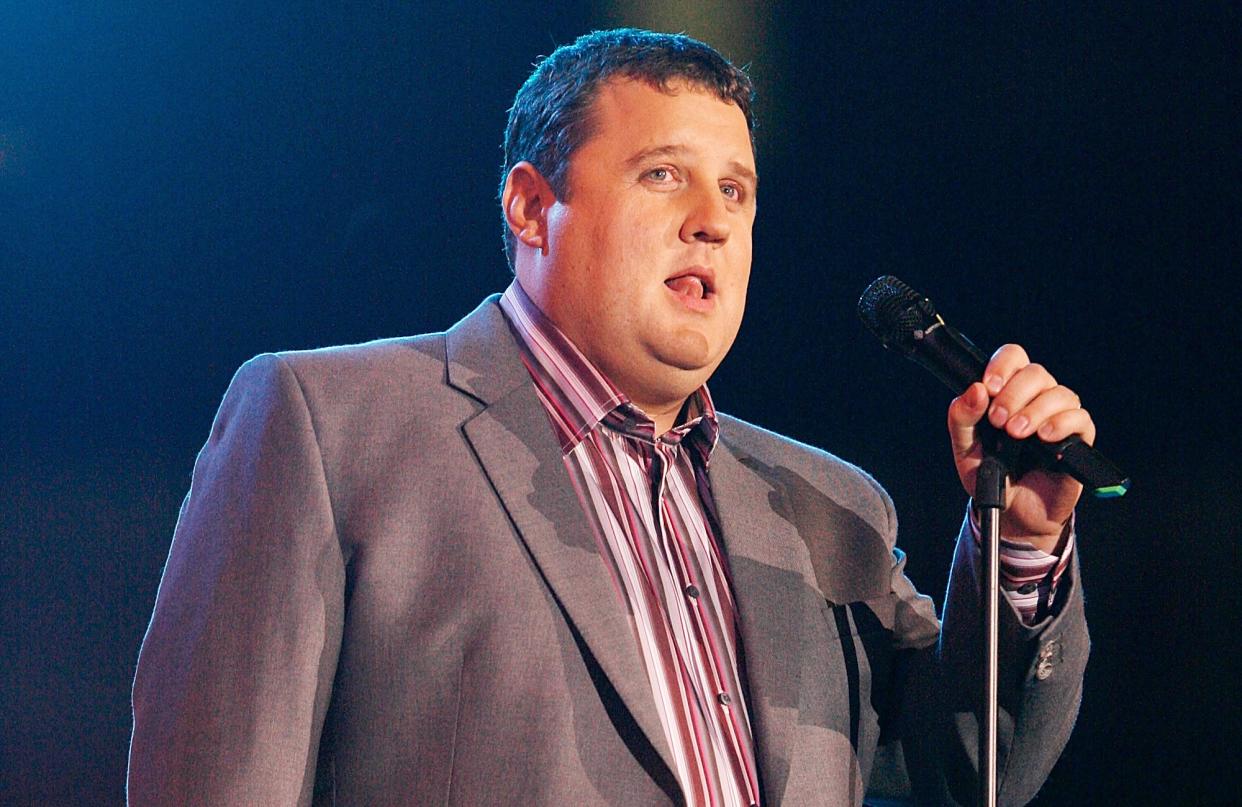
(999, 415)
(1019, 425)
(993, 383)
(1045, 431)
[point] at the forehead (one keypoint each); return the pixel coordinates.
(632, 115)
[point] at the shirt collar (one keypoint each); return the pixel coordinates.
(579, 397)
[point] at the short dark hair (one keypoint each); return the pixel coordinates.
(551, 114)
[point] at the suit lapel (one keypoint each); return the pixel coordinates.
(768, 564)
(518, 452)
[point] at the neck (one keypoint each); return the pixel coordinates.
(665, 416)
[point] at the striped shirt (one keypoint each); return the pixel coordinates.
(1029, 576)
(653, 516)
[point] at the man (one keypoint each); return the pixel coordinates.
(526, 561)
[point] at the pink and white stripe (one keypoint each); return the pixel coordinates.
(1029, 576)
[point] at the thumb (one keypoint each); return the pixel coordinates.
(964, 413)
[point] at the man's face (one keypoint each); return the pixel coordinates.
(648, 259)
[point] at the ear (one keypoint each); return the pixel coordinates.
(526, 200)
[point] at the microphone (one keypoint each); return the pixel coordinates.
(906, 321)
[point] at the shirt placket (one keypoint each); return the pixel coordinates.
(698, 649)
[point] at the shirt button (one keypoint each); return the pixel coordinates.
(692, 591)
(724, 698)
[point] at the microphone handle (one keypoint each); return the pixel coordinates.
(958, 362)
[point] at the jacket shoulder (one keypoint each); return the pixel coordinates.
(384, 355)
(778, 456)
(353, 372)
(355, 392)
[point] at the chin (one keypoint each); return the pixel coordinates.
(687, 350)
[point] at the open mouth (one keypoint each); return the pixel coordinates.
(691, 285)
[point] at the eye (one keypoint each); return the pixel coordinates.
(661, 175)
(731, 191)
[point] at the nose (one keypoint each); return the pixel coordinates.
(707, 219)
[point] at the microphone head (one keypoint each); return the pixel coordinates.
(894, 312)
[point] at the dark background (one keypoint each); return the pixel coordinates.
(182, 188)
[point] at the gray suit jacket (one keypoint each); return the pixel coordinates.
(383, 590)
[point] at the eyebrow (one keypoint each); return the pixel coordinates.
(675, 150)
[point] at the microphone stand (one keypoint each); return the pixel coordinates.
(999, 454)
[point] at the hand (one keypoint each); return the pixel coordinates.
(1024, 399)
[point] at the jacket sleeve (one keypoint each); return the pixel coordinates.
(1041, 673)
(235, 671)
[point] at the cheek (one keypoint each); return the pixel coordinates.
(647, 224)
(737, 278)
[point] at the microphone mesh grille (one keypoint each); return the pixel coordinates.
(893, 312)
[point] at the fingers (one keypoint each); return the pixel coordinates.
(1006, 361)
(1063, 424)
(1031, 401)
(1022, 399)
(1030, 398)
